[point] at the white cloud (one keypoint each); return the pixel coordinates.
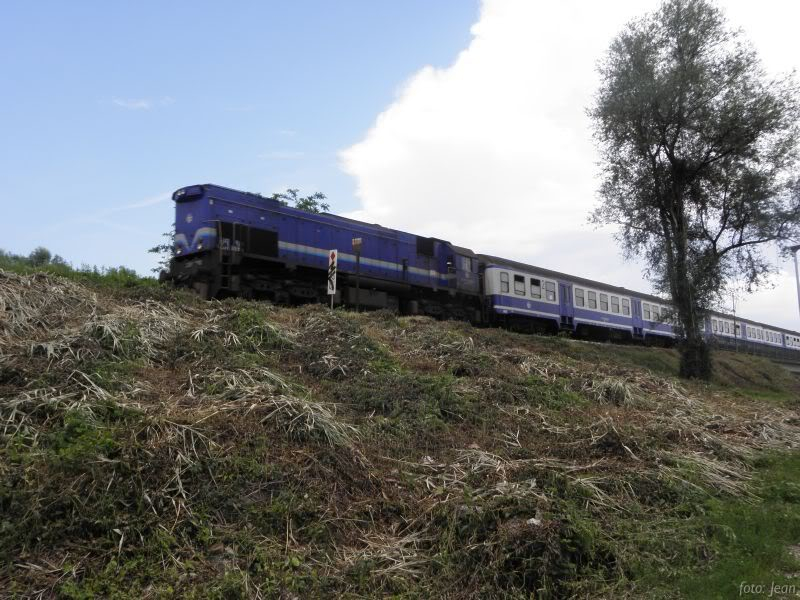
(144, 203)
(494, 152)
(98, 217)
(133, 103)
(142, 103)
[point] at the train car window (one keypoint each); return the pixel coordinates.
(550, 289)
(615, 305)
(604, 302)
(504, 282)
(592, 299)
(519, 285)
(536, 288)
(714, 325)
(626, 307)
(579, 299)
(646, 311)
(664, 314)
(738, 331)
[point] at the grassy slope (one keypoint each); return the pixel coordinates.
(157, 446)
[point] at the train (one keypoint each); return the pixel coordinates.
(233, 243)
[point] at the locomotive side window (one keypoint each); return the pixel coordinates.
(519, 285)
(592, 299)
(550, 289)
(626, 307)
(425, 246)
(504, 282)
(604, 302)
(615, 305)
(536, 288)
(579, 299)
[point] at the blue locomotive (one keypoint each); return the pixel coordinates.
(232, 243)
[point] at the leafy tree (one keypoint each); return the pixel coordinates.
(40, 256)
(165, 250)
(699, 150)
(314, 203)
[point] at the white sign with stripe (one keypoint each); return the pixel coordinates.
(333, 258)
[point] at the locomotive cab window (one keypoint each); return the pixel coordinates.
(550, 289)
(519, 285)
(579, 297)
(504, 282)
(626, 307)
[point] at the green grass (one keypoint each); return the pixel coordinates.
(113, 277)
(748, 541)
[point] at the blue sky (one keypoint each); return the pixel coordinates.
(108, 106)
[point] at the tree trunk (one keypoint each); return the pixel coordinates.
(695, 359)
(695, 354)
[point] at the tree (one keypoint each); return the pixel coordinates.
(165, 251)
(699, 148)
(314, 203)
(40, 256)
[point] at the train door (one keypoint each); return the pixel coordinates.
(567, 309)
(636, 314)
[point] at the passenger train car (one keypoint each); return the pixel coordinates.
(231, 243)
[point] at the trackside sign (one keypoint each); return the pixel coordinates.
(333, 257)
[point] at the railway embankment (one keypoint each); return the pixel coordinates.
(153, 445)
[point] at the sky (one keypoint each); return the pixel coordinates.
(456, 118)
